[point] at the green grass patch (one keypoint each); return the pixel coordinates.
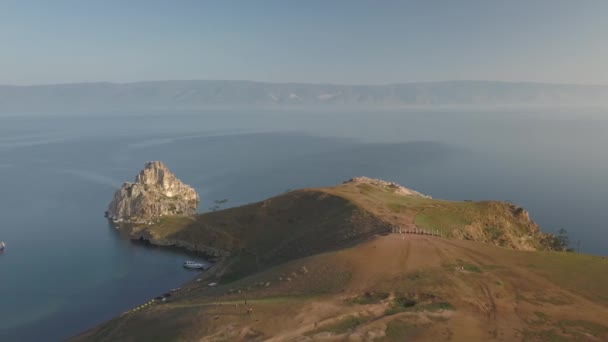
(585, 275)
(403, 283)
(542, 316)
(447, 216)
(415, 276)
(494, 233)
(278, 299)
(465, 266)
(437, 319)
(400, 304)
(240, 266)
(395, 207)
(366, 188)
(575, 327)
(552, 300)
(169, 225)
(543, 335)
(472, 268)
(369, 298)
(403, 304)
(401, 330)
(567, 330)
(437, 306)
(344, 325)
(493, 267)
(540, 319)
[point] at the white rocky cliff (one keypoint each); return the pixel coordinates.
(394, 187)
(156, 192)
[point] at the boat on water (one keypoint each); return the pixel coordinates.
(2, 246)
(194, 265)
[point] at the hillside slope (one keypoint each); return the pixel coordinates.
(282, 228)
(330, 264)
(391, 288)
(308, 221)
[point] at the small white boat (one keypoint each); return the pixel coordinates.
(194, 265)
(2, 246)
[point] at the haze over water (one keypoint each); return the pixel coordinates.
(67, 269)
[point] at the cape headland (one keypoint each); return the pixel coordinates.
(370, 260)
(306, 221)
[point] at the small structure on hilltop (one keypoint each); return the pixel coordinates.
(396, 188)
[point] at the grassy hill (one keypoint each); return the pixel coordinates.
(321, 264)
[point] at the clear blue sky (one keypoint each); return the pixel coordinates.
(56, 41)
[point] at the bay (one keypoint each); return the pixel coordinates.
(66, 269)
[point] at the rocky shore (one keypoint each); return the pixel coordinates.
(202, 249)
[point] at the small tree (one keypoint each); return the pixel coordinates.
(557, 242)
(562, 239)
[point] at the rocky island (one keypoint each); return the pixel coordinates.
(156, 192)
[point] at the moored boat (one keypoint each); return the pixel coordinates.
(194, 265)
(2, 246)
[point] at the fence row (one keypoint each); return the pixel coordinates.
(419, 231)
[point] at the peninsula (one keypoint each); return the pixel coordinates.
(371, 260)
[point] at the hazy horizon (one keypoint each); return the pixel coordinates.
(514, 82)
(363, 42)
(208, 94)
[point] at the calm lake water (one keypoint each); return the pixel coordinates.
(65, 269)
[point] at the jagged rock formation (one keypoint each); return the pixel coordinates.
(396, 188)
(156, 192)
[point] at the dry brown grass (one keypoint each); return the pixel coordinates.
(299, 259)
(501, 302)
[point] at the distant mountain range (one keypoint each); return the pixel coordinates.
(192, 95)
